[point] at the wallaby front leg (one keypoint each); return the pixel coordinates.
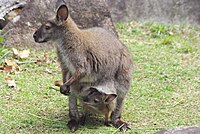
(65, 76)
(73, 123)
(79, 73)
(106, 122)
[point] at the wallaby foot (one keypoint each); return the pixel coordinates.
(122, 126)
(107, 123)
(73, 125)
(65, 89)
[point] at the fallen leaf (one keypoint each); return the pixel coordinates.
(2, 69)
(48, 71)
(24, 54)
(21, 54)
(9, 69)
(15, 51)
(8, 78)
(38, 61)
(46, 58)
(7, 97)
(10, 63)
(58, 83)
(11, 83)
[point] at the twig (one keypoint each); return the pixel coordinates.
(139, 129)
(118, 129)
(56, 89)
(26, 62)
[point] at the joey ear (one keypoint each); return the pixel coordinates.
(62, 11)
(92, 90)
(110, 98)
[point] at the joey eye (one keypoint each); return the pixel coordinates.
(96, 100)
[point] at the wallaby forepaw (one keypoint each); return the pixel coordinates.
(122, 126)
(107, 123)
(64, 89)
(73, 125)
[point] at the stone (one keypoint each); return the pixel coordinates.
(86, 13)
(164, 11)
(9, 9)
(183, 130)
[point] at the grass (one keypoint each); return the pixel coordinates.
(164, 94)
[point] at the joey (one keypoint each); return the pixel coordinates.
(98, 102)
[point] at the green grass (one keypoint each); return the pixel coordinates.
(164, 94)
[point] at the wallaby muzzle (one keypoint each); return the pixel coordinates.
(38, 37)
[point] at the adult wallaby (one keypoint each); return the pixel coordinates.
(88, 57)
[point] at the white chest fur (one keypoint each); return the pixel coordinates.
(65, 60)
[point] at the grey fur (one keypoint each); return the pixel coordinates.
(89, 57)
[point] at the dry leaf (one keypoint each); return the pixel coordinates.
(24, 54)
(10, 63)
(58, 83)
(38, 61)
(48, 71)
(10, 82)
(15, 51)
(9, 69)
(21, 54)
(46, 58)
(2, 69)
(7, 97)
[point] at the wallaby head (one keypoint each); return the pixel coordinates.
(53, 28)
(96, 98)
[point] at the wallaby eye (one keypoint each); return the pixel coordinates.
(96, 100)
(47, 27)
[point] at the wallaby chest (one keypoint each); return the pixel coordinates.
(65, 59)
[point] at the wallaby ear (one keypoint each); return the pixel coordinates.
(110, 98)
(62, 11)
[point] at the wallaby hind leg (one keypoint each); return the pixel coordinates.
(73, 123)
(116, 116)
(122, 86)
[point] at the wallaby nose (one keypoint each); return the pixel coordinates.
(85, 99)
(34, 35)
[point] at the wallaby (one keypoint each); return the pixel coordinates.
(98, 102)
(99, 99)
(88, 57)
